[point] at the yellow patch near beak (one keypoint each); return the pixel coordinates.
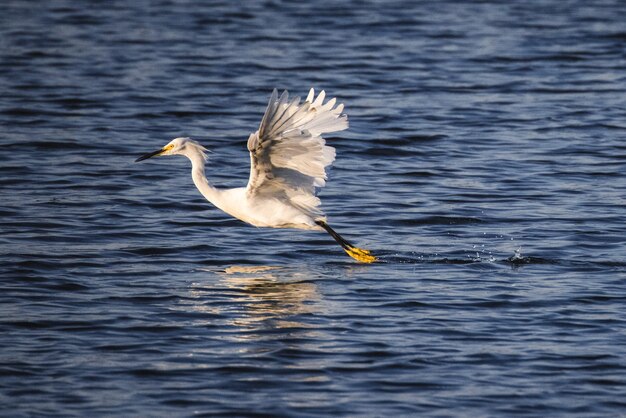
(155, 153)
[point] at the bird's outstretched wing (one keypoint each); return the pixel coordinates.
(288, 155)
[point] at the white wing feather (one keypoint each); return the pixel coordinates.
(288, 155)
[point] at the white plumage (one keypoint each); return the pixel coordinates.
(288, 160)
(288, 156)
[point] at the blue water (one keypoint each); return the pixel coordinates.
(485, 164)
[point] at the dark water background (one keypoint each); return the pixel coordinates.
(485, 163)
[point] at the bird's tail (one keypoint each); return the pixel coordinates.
(359, 254)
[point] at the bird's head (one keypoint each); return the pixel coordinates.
(177, 146)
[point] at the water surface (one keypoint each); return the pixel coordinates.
(485, 164)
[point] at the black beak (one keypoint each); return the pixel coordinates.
(150, 155)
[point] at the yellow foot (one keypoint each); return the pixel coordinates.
(360, 255)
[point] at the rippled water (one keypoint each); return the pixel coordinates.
(485, 164)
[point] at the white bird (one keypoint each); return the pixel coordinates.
(288, 157)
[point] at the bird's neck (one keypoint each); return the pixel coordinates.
(212, 194)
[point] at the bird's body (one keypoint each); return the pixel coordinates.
(270, 213)
(288, 157)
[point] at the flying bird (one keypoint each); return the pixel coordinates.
(288, 160)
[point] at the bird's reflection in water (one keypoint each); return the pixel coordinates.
(263, 302)
(275, 296)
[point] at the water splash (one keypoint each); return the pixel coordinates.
(517, 255)
(482, 255)
(518, 259)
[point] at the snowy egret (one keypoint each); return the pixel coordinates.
(288, 157)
